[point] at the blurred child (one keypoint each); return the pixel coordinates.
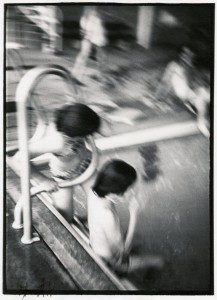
(106, 236)
(93, 37)
(183, 80)
(175, 78)
(64, 139)
(202, 103)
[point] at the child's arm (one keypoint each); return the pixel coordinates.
(46, 185)
(133, 209)
(40, 147)
(44, 145)
(51, 142)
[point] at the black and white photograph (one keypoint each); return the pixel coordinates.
(108, 148)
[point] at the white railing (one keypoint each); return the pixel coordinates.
(24, 89)
(148, 135)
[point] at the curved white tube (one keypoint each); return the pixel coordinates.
(24, 89)
(147, 135)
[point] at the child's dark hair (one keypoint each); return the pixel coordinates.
(114, 177)
(77, 120)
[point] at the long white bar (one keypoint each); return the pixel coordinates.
(25, 184)
(139, 137)
(147, 135)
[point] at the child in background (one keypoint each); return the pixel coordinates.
(64, 139)
(184, 81)
(93, 38)
(106, 237)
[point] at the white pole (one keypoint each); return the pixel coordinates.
(148, 135)
(25, 184)
(25, 86)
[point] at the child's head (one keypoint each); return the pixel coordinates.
(114, 178)
(77, 120)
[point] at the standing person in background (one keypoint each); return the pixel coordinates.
(93, 36)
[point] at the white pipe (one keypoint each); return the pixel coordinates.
(25, 202)
(24, 89)
(25, 184)
(26, 85)
(138, 137)
(147, 135)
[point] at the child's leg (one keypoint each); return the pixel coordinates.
(63, 202)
